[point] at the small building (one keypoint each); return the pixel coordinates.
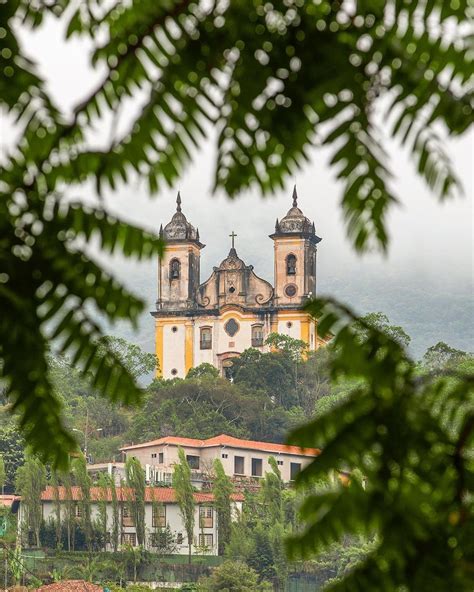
(161, 513)
(241, 459)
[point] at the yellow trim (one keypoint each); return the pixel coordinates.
(305, 331)
(159, 349)
(188, 348)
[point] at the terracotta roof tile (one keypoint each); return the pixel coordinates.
(152, 494)
(228, 441)
(70, 586)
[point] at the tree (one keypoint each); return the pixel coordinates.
(380, 321)
(295, 348)
(115, 515)
(12, 451)
(204, 370)
(412, 441)
(135, 478)
(222, 488)
(441, 355)
(185, 496)
(84, 482)
(103, 484)
(333, 65)
(30, 482)
(134, 359)
(272, 494)
(57, 508)
(233, 576)
(3, 475)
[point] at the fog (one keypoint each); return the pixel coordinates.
(425, 281)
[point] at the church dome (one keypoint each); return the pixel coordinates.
(179, 229)
(295, 222)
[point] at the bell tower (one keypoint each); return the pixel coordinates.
(179, 266)
(295, 248)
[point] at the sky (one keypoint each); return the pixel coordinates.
(425, 282)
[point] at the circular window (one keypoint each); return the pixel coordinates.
(290, 290)
(174, 329)
(231, 327)
(174, 372)
(289, 324)
(232, 289)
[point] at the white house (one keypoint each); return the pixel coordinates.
(241, 459)
(161, 511)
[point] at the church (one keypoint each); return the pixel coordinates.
(234, 309)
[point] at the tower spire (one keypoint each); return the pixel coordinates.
(178, 202)
(295, 197)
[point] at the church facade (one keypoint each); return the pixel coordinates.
(234, 309)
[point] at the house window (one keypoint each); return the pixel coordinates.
(206, 338)
(231, 327)
(256, 467)
(161, 458)
(175, 269)
(291, 265)
(127, 518)
(206, 517)
(295, 468)
(179, 538)
(239, 465)
(224, 455)
(159, 517)
(77, 510)
(206, 540)
(153, 455)
(279, 462)
(193, 461)
(129, 538)
(257, 335)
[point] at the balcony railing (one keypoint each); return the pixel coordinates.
(257, 341)
(205, 344)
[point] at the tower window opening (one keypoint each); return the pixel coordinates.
(175, 269)
(206, 338)
(291, 265)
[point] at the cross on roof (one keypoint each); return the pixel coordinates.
(232, 236)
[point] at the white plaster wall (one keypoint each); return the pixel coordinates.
(173, 350)
(294, 331)
(173, 519)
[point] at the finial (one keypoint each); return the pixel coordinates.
(277, 225)
(295, 197)
(178, 202)
(161, 229)
(197, 234)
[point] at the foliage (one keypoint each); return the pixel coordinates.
(133, 358)
(202, 371)
(412, 440)
(294, 348)
(84, 482)
(441, 355)
(135, 479)
(103, 484)
(380, 321)
(222, 488)
(233, 576)
(11, 449)
(3, 474)
(185, 496)
(30, 482)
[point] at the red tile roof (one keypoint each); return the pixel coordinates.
(70, 586)
(7, 500)
(228, 441)
(124, 494)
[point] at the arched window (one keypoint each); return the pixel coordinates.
(206, 338)
(175, 269)
(291, 265)
(257, 335)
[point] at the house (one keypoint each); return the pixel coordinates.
(241, 459)
(161, 512)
